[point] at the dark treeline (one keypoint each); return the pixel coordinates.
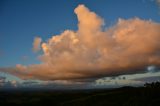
(148, 95)
(152, 85)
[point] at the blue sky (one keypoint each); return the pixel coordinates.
(23, 20)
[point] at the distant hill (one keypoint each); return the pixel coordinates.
(149, 95)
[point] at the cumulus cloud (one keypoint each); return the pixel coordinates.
(37, 44)
(90, 52)
(21, 67)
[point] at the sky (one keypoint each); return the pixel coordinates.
(78, 42)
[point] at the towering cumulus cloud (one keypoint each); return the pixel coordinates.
(90, 52)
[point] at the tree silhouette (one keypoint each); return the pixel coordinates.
(152, 85)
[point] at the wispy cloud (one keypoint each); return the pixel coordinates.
(158, 2)
(36, 44)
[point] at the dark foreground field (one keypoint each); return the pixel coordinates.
(126, 96)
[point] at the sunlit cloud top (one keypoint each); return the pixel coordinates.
(88, 53)
(98, 43)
